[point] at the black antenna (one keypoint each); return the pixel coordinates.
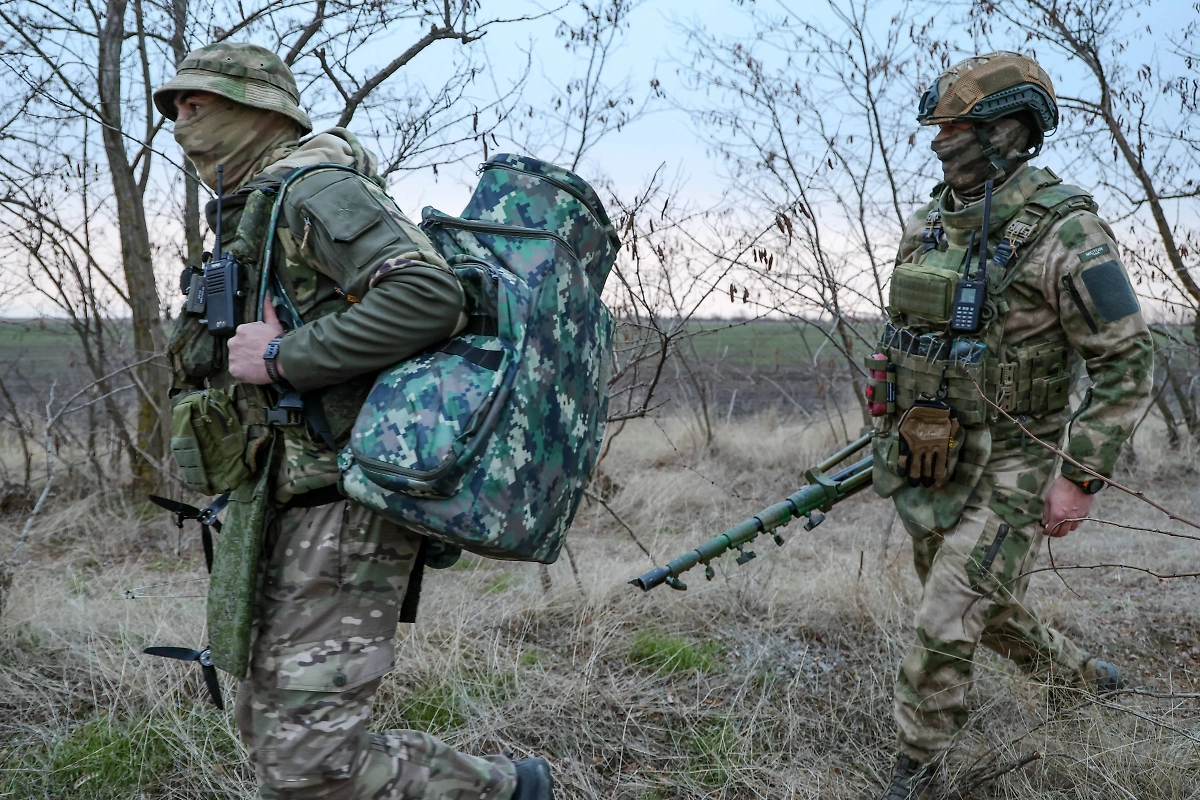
(220, 192)
(970, 255)
(983, 239)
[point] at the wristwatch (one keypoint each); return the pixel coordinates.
(1091, 485)
(269, 356)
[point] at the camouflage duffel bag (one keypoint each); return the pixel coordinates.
(487, 441)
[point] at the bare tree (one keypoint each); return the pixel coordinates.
(813, 125)
(590, 106)
(81, 76)
(1144, 106)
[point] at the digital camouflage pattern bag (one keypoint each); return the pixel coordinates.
(487, 441)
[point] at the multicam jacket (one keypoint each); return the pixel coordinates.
(1064, 300)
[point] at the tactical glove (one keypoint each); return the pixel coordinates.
(927, 432)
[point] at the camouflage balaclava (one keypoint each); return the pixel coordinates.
(965, 165)
(237, 136)
(257, 111)
(1007, 103)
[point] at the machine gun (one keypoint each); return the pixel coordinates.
(821, 494)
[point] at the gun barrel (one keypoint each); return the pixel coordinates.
(845, 452)
(801, 503)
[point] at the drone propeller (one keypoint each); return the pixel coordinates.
(206, 667)
(207, 517)
(182, 510)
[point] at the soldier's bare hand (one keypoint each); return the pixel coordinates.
(248, 344)
(1065, 505)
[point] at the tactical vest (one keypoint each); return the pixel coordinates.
(250, 218)
(924, 357)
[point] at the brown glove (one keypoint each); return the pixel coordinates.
(926, 431)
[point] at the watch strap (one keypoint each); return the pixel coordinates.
(269, 358)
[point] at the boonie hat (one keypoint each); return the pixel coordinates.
(241, 72)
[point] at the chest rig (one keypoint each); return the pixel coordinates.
(925, 356)
(231, 288)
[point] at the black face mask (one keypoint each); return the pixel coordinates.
(965, 165)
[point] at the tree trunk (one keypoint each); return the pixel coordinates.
(148, 338)
(191, 181)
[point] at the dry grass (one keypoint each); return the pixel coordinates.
(772, 681)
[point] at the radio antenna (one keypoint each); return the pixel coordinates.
(983, 239)
(220, 193)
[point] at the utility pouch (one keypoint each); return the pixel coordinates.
(208, 442)
(885, 454)
(927, 438)
(233, 585)
(924, 291)
(192, 351)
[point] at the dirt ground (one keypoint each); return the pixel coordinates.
(772, 681)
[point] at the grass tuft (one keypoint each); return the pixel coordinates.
(667, 654)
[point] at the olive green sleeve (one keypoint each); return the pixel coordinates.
(1099, 313)
(408, 310)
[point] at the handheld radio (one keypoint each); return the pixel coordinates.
(969, 294)
(221, 281)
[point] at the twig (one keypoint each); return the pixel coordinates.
(621, 522)
(1162, 576)
(9, 566)
(41, 501)
(980, 778)
(574, 569)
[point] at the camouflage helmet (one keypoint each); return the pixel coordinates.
(244, 73)
(991, 86)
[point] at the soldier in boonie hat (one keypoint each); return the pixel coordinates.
(361, 287)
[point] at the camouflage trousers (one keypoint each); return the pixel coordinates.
(974, 577)
(334, 584)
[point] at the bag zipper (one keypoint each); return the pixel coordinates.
(566, 187)
(1069, 283)
(369, 465)
(445, 220)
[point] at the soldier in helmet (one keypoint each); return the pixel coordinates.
(342, 286)
(1050, 299)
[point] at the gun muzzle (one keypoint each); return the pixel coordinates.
(654, 577)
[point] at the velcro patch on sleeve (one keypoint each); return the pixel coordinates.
(1095, 252)
(1110, 291)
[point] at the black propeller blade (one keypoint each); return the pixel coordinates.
(207, 517)
(183, 510)
(206, 667)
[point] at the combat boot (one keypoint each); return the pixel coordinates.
(910, 779)
(1101, 677)
(533, 780)
(1095, 677)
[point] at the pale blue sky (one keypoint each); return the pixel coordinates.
(653, 46)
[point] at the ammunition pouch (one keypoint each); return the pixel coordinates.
(1033, 379)
(208, 442)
